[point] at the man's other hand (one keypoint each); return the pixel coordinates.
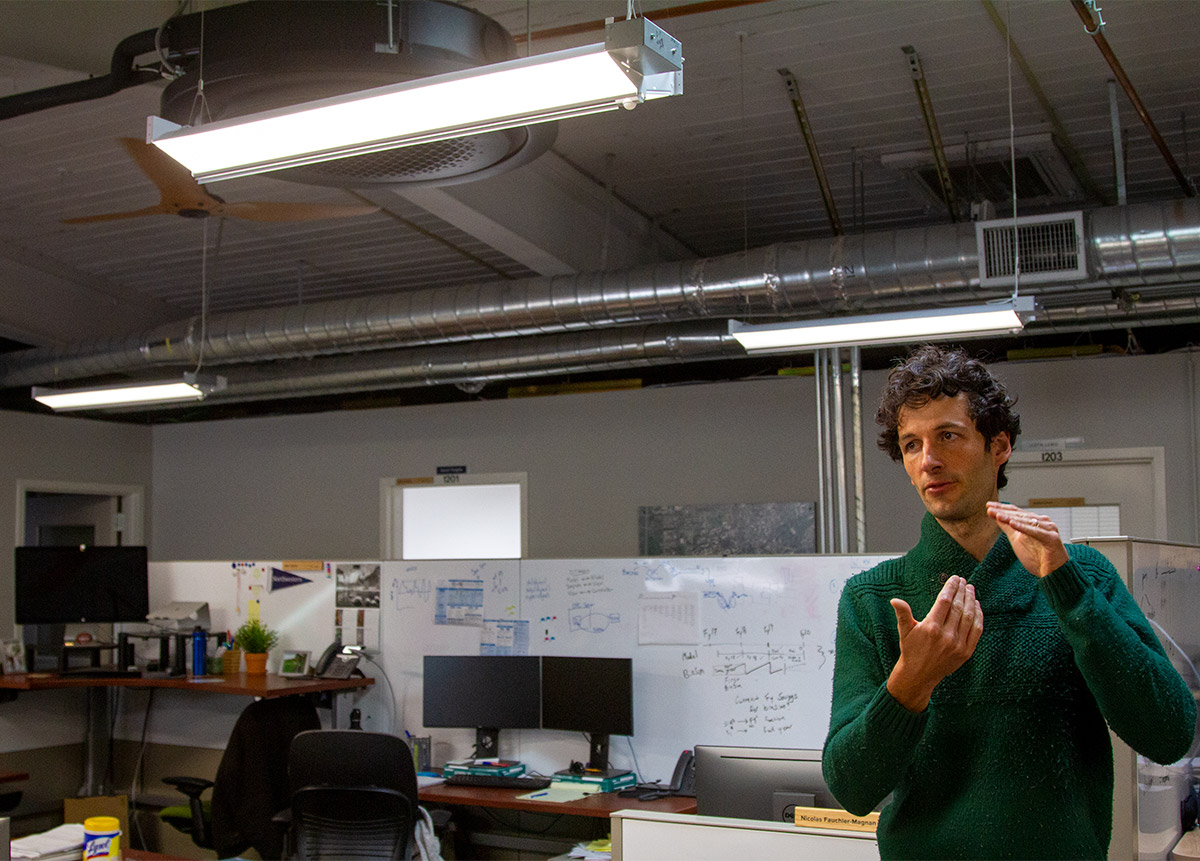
(936, 646)
(1034, 537)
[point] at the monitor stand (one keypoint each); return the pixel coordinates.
(597, 765)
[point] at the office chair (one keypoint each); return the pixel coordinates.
(354, 796)
(251, 784)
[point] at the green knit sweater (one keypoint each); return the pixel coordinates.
(1012, 758)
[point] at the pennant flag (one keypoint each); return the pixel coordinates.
(284, 579)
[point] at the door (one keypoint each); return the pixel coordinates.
(1133, 479)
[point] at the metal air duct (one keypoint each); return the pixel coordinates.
(1154, 248)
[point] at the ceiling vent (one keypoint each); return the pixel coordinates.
(982, 170)
(268, 54)
(1051, 249)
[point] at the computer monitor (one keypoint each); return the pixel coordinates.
(759, 782)
(67, 585)
(488, 692)
(592, 695)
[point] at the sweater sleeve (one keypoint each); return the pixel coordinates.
(872, 738)
(1139, 692)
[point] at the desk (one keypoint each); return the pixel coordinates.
(99, 716)
(600, 805)
(590, 814)
(269, 685)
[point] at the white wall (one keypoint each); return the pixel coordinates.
(307, 486)
(58, 448)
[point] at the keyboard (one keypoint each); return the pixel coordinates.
(520, 781)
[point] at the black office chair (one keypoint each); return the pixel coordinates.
(354, 796)
(251, 783)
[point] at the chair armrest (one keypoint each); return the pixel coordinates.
(189, 786)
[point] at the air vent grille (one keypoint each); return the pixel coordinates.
(1051, 249)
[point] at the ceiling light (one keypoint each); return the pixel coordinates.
(191, 387)
(637, 61)
(970, 321)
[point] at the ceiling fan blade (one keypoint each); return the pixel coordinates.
(174, 181)
(157, 209)
(282, 211)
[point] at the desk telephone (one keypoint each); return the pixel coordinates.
(333, 664)
(683, 782)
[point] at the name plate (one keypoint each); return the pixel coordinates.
(835, 820)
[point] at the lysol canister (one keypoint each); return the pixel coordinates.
(101, 838)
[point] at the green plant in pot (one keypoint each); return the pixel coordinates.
(256, 640)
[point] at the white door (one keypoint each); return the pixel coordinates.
(1133, 479)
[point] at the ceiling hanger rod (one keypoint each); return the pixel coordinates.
(1097, 35)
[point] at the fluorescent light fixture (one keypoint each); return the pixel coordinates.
(971, 321)
(637, 61)
(191, 387)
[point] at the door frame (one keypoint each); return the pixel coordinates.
(133, 504)
(1152, 456)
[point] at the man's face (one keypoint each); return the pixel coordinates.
(948, 460)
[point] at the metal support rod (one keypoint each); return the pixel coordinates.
(1074, 159)
(1113, 63)
(931, 126)
(810, 141)
(1118, 144)
(839, 448)
(822, 509)
(856, 423)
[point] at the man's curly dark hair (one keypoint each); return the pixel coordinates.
(931, 372)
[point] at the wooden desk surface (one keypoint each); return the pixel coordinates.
(599, 805)
(269, 685)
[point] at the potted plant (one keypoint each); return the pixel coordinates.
(256, 640)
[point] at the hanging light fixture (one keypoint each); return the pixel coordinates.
(190, 387)
(974, 321)
(637, 61)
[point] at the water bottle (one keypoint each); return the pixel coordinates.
(199, 652)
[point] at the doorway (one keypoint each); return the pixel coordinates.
(53, 513)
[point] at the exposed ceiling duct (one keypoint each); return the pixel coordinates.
(1144, 263)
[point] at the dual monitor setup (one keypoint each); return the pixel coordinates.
(595, 696)
(493, 692)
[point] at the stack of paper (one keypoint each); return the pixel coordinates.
(597, 850)
(64, 843)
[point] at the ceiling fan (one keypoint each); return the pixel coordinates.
(182, 195)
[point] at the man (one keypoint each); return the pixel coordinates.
(974, 676)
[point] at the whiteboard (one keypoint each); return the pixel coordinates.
(725, 650)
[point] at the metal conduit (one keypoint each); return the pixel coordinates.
(480, 361)
(823, 508)
(839, 453)
(856, 413)
(1140, 245)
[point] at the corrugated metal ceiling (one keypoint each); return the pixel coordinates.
(722, 168)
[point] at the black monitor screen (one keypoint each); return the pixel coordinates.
(592, 695)
(759, 782)
(482, 691)
(64, 585)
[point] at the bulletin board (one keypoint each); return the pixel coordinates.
(725, 650)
